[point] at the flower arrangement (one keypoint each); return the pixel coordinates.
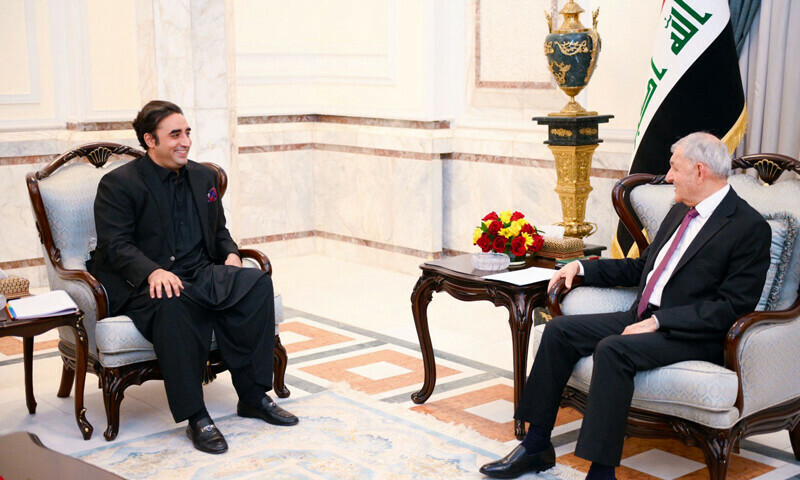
(507, 233)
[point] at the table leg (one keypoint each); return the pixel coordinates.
(520, 320)
(27, 359)
(82, 347)
(420, 298)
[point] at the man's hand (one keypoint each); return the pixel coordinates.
(233, 260)
(566, 272)
(168, 281)
(645, 326)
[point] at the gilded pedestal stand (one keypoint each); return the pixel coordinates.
(573, 140)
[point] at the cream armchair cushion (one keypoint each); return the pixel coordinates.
(119, 342)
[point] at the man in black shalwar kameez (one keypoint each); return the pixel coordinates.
(167, 261)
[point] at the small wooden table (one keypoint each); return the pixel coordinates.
(456, 276)
(29, 328)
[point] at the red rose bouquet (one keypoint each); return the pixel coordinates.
(508, 233)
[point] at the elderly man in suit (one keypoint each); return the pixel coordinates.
(167, 261)
(705, 268)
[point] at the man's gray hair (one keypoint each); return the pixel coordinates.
(702, 147)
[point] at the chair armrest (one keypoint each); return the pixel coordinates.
(556, 295)
(259, 257)
(90, 282)
(761, 347)
(94, 308)
(587, 299)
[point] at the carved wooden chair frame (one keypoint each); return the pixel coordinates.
(716, 444)
(114, 380)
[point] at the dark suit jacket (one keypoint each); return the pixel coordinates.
(718, 279)
(134, 226)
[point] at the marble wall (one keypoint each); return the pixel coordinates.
(344, 183)
(379, 131)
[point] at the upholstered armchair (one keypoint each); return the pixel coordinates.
(62, 195)
(758, 388)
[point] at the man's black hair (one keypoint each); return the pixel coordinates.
(150, 116)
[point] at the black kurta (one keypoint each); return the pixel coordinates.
(235, 303)
(215, 287)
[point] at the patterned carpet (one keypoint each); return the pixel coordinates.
(384, 370)
(341, 435)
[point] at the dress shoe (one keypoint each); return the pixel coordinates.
(518, 462)
(207, 437)
(269, 411)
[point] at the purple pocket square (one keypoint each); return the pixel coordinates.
(212, 195)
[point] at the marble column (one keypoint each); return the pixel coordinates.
(188, 57)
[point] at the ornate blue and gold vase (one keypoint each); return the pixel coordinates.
(571, 52)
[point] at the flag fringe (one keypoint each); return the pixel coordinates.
(737, 131)
(616, 250)
(633, 252)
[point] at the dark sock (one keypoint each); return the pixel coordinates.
(601, 472)
(253, 396)
(197, 416)
(536, 440)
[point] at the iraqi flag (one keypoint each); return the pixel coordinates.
(694, 85)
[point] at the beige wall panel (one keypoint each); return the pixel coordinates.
(281, 43)
(311, 27)
(405, 95)
(511, 36)
(355, 57)
(32, 103)
(113, 59)
(16, 78)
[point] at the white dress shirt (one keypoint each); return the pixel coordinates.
(704, 211)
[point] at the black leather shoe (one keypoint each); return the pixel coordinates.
(207, 438)
(518, 462)
(269, 411)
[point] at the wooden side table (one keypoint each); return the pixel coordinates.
(29, 328)
(456, 276)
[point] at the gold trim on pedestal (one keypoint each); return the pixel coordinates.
(573, 165)
(572, 109)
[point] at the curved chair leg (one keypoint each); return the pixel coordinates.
(717, 446)
(67, 378)
(114, 382)
(280, 361)
(112, 398)
(794, 438)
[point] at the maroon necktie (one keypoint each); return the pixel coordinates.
(651, 284)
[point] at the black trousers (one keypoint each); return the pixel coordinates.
(180, 329)
(617, 358)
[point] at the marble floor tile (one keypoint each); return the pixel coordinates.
(340, 371)
(290, 338)
(661, 464)
(379, 370)
(305, 337)
(498, 411)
